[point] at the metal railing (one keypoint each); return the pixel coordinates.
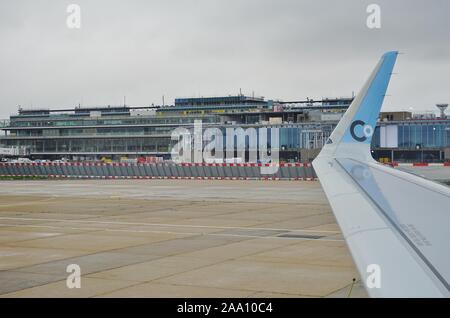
(249, 171)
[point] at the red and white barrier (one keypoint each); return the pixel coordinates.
(419, 164)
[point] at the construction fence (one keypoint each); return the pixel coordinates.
(84, 170)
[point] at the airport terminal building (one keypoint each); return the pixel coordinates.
(114, 132)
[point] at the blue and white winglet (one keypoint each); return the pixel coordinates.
(396, 225)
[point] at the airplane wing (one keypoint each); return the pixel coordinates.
(396, 225)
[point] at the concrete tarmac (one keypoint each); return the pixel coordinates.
(436, 173)
(171, 238)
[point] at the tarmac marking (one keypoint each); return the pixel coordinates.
(169, 225)
(166, 232)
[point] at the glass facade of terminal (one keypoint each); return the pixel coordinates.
(419, 134)
(125, 136)
(64, 121)
(113, 138)
(119, 131)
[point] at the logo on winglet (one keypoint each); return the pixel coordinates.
(367, 130)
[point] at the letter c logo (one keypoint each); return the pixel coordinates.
(367, 130)
(352, 130)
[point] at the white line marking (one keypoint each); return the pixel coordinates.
(167, 232)
(169, 225)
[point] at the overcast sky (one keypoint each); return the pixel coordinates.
(279, 49)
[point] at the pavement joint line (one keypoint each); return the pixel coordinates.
(156, 279)
(39, 238)
(209, 265)
(114, 250)
(93, 217)
(156, 232)
(169, 225)
(23, 268)
(287, 219)
(39, 285)
(162, 198)
(302, 230)
(252, 291)
(178, 285)
(58, 280)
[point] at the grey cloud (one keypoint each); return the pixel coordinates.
(287, 49)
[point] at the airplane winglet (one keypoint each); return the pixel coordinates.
(353, 135)
(384, 214)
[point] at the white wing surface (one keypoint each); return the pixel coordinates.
(396, 225)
